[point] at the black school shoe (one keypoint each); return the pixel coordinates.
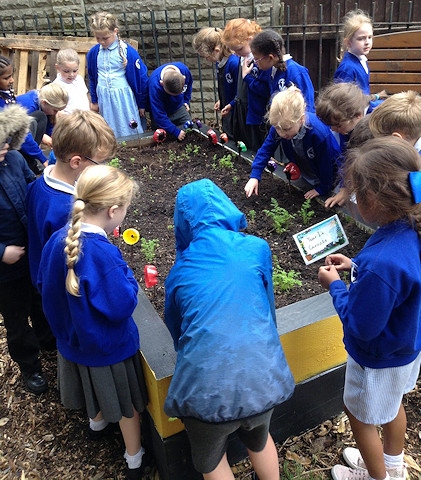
(35, 382)
(106, 432)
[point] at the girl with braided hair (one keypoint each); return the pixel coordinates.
(268, 50)
(118, 78)
(380, 311)
(89, 294)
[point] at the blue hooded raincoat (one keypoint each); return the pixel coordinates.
(220, 311)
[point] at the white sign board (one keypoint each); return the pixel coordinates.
(318, 241)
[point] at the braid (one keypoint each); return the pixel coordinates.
(121, 52)
(8, 97)
(73, 247)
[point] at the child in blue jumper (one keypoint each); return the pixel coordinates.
(305, 140)
(170, 90)
(30, 148)
(89, 294)
(208, 44)
(253, 89)
(19, 300)
(357, 41)
(381, 311)
(80, 140)
(268, 51)
(50, 99)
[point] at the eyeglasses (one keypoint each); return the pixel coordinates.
(91, 160)
(87, 158)
(257, 60)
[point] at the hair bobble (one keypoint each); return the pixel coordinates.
(415, 184)
(81, 199)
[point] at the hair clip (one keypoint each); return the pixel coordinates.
(415, 184)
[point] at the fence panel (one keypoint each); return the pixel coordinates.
(311, 30)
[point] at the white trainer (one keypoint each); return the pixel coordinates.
(353, 458)
(340, 472)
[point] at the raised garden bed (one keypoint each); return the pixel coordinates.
(163, 168)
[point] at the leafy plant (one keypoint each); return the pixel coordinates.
(305, 212)
(235, 179)
(226, 161)
(280, 216)
(284, 281)
(252, 215)
(148, 248)
(115, 162)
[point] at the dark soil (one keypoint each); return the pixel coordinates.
(162, 169)
(39, 439)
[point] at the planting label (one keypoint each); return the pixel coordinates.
(321, 239)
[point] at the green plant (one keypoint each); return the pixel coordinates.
(305, 212)
(284, 281)
(226, 161)
(115, 162)
(252, 215)
(123, 143)
(280, 216)
(172, 156)
(132, 159)
(235, 179)
(148, 248)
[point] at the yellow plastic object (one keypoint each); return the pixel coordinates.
(131, 236)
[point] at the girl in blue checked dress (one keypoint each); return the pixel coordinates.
(118, 78)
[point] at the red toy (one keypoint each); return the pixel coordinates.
(151, 276)
(292, 171)
(159, 135)
(223, 138)
(212, 136)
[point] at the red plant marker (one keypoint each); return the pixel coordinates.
(292, 171)
(159, 135)
(223, 138)
(151, 276)
(212, 136)
(116, 231)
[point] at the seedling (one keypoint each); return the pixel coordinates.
(281, 218)
(115, 162)
(148, 248)
(226, 161)
(284, 281)
(252, 215)
(305, 212)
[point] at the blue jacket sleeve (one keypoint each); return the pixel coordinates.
(264, 153)
(93, 72)
(157, 102)
(137, 77)
(31, 148)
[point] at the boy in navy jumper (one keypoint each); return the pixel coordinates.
(18, 298)
(170, 89)
(80, 140)
(381, 310)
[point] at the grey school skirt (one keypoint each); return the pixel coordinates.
(113, 390)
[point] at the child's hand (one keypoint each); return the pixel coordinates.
(338, 199)
(246, 69)
(226, 110)
(181, 135)
(94, 107)
(142, 112)
(187, 107)
(217, 105)
(47, 140)
(339, 261)
(327, 275)
(311, 194)
(12, 253)
(252, 186)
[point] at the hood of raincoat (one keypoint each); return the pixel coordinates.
(203, 204)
